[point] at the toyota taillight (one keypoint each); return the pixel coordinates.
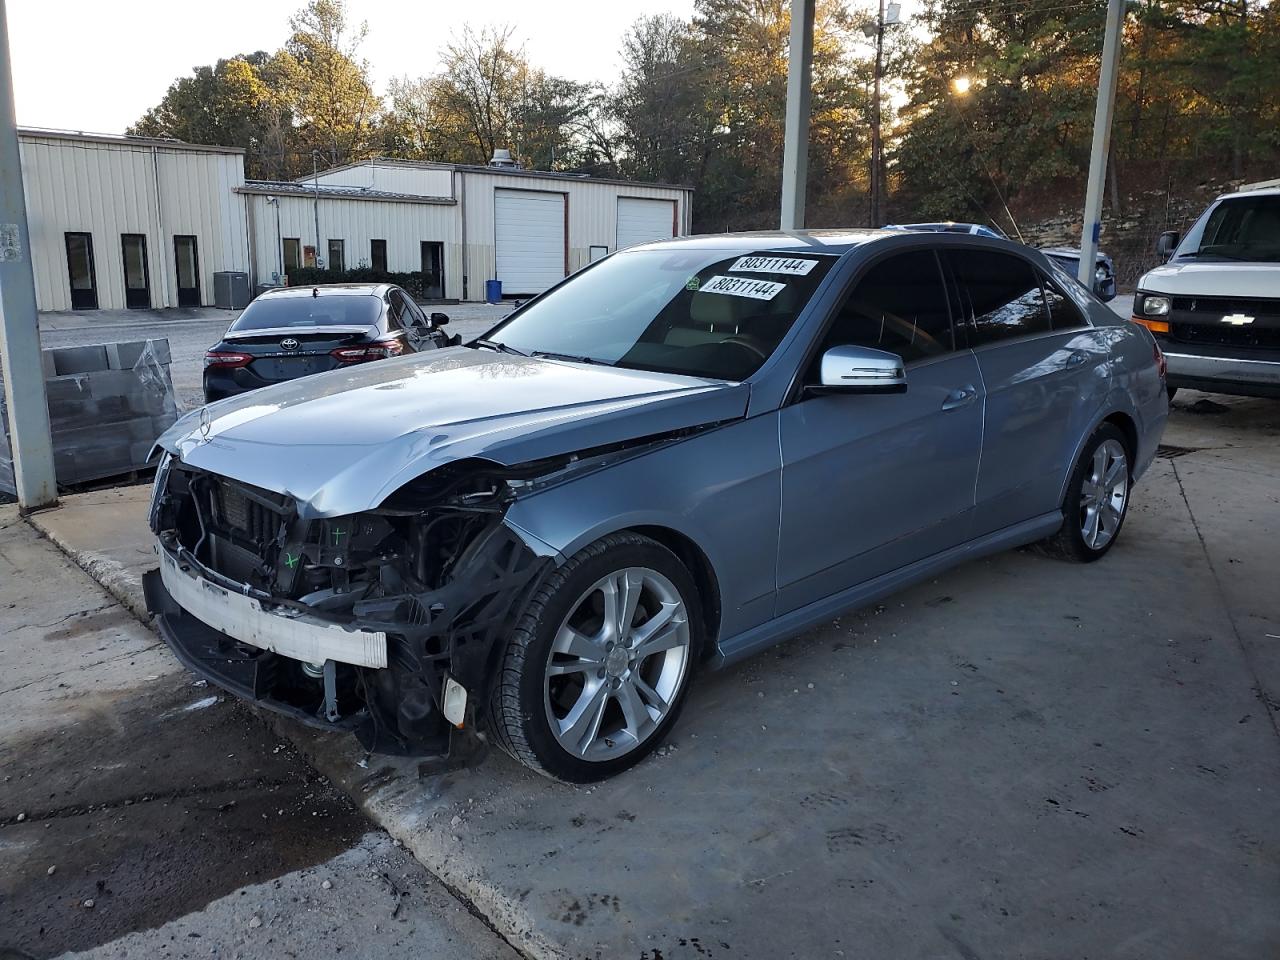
(378, 350)
(226, 359)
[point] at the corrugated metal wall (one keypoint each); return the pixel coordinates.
(402, 224)
(107, 189)
(593, 216)
(391, 178)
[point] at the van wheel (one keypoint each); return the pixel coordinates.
(598, 667)
(1097, 499)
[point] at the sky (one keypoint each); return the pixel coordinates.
(96, 67)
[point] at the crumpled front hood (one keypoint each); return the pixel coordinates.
(1213, 278)
(341, 442)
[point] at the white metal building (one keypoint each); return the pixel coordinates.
(526, 228)
(122, 222)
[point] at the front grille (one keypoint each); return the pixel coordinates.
(1220, 306)
(1198, 320)
(245, 515)
(1224, 335)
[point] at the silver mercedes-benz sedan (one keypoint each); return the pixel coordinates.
(673, 459)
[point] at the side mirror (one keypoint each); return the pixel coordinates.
(850, 369)
(438, 319)
(1168, 243)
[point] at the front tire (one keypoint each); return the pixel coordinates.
(597, 669)
(1097, 499)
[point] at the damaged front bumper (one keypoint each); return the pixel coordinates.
(370, 639)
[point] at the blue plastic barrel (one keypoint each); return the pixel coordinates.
(493, 291)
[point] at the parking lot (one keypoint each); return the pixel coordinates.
(1018, 758)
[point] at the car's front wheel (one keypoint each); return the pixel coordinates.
(1097, 499)
(598, 667)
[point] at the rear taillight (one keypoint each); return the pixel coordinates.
(224, 358)
(1162, 365)
(378, 350)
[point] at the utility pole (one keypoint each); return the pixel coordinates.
(29, 437)
(795, 148)
(315, 203)
(1092, 231)
(877, 146)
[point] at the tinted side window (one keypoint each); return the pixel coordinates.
(1063, 314)
(395, 311)
(412, 315)
(900, 305)
(1000, 296)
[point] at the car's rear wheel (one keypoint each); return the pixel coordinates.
(1097, 499)
(598, 667)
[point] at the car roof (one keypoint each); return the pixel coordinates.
(1255, 192)
(833, 241)
(328, 289)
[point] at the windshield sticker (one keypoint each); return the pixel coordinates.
(691, 283)
(792, 265)
(743, 287)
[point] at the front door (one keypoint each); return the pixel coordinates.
(874, 482)
(80, 272)
(187, 260)
(137, 282)
(432, 270)
(1041, 364)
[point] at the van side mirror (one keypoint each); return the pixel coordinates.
(1168, 243)
(850, 369)
(438, 319)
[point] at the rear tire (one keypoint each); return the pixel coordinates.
(1173, 391)
(1097, 499)
(598, 667)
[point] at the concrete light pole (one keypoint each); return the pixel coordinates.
(1092, 231)
(795, 149)
(29, 438)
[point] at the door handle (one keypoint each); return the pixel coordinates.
(960, 398)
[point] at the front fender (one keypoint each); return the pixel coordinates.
(718, 489)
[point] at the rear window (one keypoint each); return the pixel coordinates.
(326, 310)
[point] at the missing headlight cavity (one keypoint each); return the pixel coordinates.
(435, 568)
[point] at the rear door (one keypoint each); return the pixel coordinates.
(1043, 369)
(871, 483)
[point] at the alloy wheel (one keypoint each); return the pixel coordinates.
(1104, 494)
(617, 664)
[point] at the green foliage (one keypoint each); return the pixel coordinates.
(700, 100)
(414, 283)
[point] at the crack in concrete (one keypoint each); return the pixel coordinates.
(63, 619)
(1260, 690)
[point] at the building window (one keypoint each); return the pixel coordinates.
(336, 259)
(378, 255)
(595, 253)
(292, 253)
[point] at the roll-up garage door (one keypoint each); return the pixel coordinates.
(529, 234)
(640, 221)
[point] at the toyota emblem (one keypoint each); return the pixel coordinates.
(288, 343)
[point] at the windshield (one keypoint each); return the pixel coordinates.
(326, 310)
(1238, 228)
(704, 313)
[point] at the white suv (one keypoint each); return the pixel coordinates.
(1214, 306)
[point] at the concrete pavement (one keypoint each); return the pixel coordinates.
(1019, 758)
(137, 802)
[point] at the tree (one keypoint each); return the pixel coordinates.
(326, 86)
(230, 103)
